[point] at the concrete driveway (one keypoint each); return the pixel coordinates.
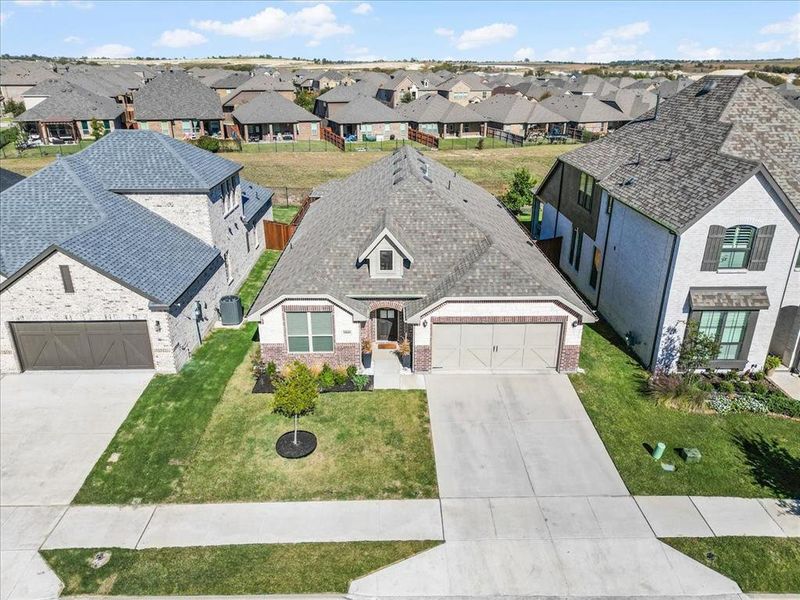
(532, 504)
(53, 428)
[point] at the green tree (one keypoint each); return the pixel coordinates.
(697, 350)
(208, 143)
(305, 99)
(98, 129)
(14, 107)
(406, 98)
(296, 395)
(521, 191)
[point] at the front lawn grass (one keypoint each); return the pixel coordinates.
(165, 425)
(746, 454)
(757, 564)
(228, 570)
(370, 445)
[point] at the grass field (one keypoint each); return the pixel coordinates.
(745, 454)
(490, 169)
(757, 564)
(227, 570)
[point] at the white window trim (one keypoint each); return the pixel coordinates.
(380, 268)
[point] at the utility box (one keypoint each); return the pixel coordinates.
(691, 455)
(230, 310)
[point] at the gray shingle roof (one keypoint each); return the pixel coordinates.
(67, 207)
(256, 200)
(473, 81)
(141, 160)
(434, 108)
(583, 109)
(463, 241)
(70, 102)
(24, 72)
(509, 110)
(348, 93)
(176, 95)
(262, 83)
(363, 109)
(271, 107)
(631, 102)
(678, 166)
(9, 178)
(232, 81)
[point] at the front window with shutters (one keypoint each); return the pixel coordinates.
(309, 331)
(728, 329)
(736, 247)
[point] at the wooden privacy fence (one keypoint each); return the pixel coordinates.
(426, 139)
(277, 235)
(506, 136)
(328, 135)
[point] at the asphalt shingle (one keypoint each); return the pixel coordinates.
(176, 95)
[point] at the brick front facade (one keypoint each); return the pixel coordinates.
(343, 355)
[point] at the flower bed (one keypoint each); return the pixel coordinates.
(329, 380)
(265, 385)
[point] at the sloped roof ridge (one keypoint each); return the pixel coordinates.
(190, 168)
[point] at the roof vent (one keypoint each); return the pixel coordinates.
(635, 160)
(465, 200)
(397, 180)
(708, 85)
(665, 157)
(426, 178)
(629, 181)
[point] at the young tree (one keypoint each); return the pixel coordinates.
(296, 395)
(14, 107)
(98, 129)
(406, 98)
(521, 191)
(697, 350)
(305, 99)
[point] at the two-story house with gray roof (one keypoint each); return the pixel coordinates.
(407, 248)
(690, 212)
(117, 256)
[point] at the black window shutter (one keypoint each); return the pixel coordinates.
(713, 248)
(761, 246)
(66, 279)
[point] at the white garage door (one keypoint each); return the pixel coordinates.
(506, 347)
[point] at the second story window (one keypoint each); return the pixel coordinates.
(586, 191)
(736, 247)
(386, 260)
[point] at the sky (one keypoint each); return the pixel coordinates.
(367, 31)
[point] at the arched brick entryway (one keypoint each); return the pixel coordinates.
(371, 332)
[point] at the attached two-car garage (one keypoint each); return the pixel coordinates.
(56, 345)
(499, 346)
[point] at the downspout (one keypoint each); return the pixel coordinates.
(558, 203)
(662, 310)
(605, 249)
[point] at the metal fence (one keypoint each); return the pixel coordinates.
(10, 151)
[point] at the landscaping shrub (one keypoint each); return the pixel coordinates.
(772, 362)
(759, 388)
(725, 405)
(359, 381)
(272, 370)
(9, 135)
(674, 389)
(727, 387)
(777, 402)
(326, 378)
(257, 362)
(742, 386)
(208, 143)
(351, 370)
(341, 376)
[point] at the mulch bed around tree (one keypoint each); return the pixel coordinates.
(264, 385)
(306, 444)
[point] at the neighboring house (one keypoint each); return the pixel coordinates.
(518, 115)
(117, 256)
(65, 114)
(585, 113)
(392, 92)
(271, 117)
(631, 103)
(408, 249)
(434, 115)
(588, 85)
(535, 90)
(790, 92)
(330, 79)
(690, 212)
(255, 86)
(327, 105)
(368, 119)
(464, 89)
(228, 84)
(667, 88)
(178, 105)
(18, 76)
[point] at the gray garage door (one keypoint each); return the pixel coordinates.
(83, 345)
(496, 347)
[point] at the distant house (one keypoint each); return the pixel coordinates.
(327, 105)
(330, 79)
(18, 76)
(367, 119)
(585, 113)
(464, 89)
(534, 90)
(588, 85)
(434, 115)
(178, 105)
(116, 257)
(228, 84)
(790, 92)
(393, 91)
(518, 115)
(65, 113)
(271, 117)
(631, 103)
(254, 86)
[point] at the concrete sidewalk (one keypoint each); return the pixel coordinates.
(181, 525)
(707, 516)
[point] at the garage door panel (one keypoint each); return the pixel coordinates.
(508, 335)
(476, 336)
(475, 359)
(542, 341)
(507, 358)
(83, 345)
(543, 334)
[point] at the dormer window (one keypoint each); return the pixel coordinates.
(386, 260)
